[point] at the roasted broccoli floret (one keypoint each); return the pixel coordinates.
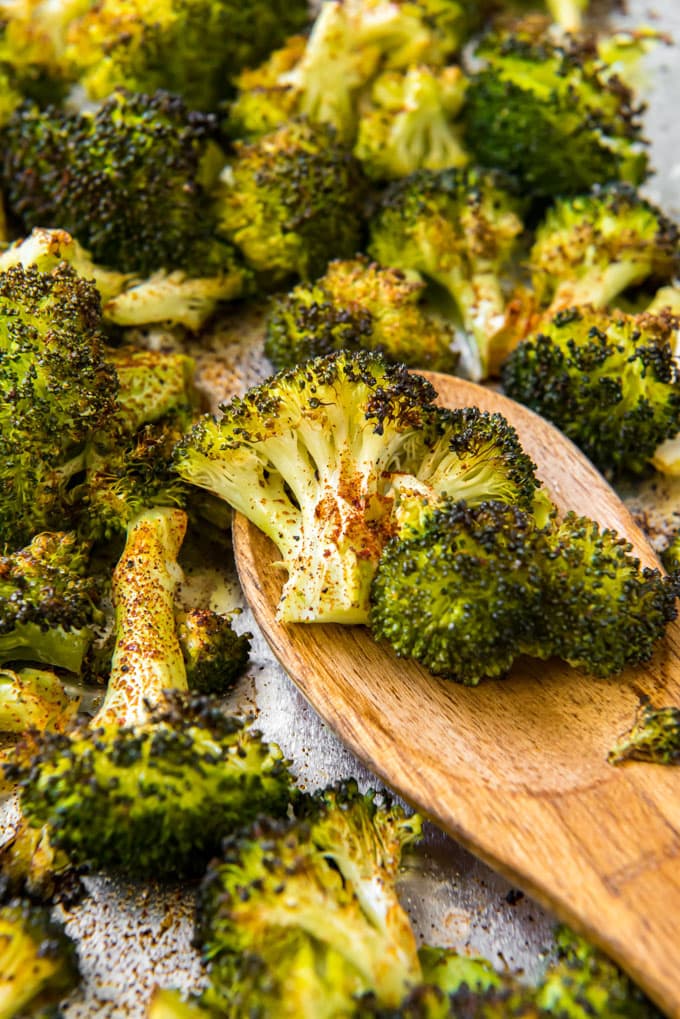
(584, 982)
(460, 591)
(553, 115)
(304, 914)
(670, 556)
(601, 611)
(38, 964)
(590, 248)
(292, 200)
(358, 305)
(409, 122)
(459, 228)
(215, 655)
(326, 76)
(34, 699)
(448, 970)
(47, 602)
(149, 787)
(306, 456)
(654, 736)
(128, 180)
(608, 380)
(168, 1004)
(191, 47)
(56, 390)
(465, 455)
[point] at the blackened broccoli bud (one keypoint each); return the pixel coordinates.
(554, 115)
(601, 610)
(125, 180)
(460, 593)
(608, 381)
(292, 200)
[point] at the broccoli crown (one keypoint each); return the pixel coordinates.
(191, 47)
(358, 305)
(97, 175)
(153, 799)
(601, 611)
(33, 699)
(291, 200)
(460, 593)
(38, 965)
(553, 115)
(583, 982)
(655, 736)
(47, 602)
(458, 227)
(152, 385)
(305, 456)
(317, 886)
(265, 98)
(56, 389)
(608, 381)
(467, 455)
(448, 970)
(409, 123)
(430, 1002)
(671, 554)
(591, 247)
(215, 655)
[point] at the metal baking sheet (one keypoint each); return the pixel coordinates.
(132, 937)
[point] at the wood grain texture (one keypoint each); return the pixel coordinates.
(515, 769)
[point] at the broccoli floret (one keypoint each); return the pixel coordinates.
(56, 390)
(654, 736)
(459, 228)
(408, 124)
(460, 591)
(97, 175)
(215, 655)
(190, 47)
(34, 699)
(265, 99)
(305, 456)
(448, 970)
(358, 305)
(601, 611)
(670, 556)
(609, 381)
(552, 114)
(588, 249)
(38, 964)
(47, 602)
(466, 455)
(149, 787)
(292, 200)
(169, 1004)
(152, 386)
(584, 982)
(306, 911)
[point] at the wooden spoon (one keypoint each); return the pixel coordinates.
(515, 769)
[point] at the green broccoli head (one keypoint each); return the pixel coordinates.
(155, 799)
(97, 175)
(215, 655)
(589, 248)
(609, 381)
(358, 305)
(190, 47)
(466, 455)
(38, 964)
(458, 227)
(306, 457)
(309, 905)
(57, 389)
(552, 114)
(34, 699)
(583, 982)
(265, 97)
(654, 736)
(460, 591)
(601, 611)
(47, 602)
(292, 200)
(409, 123)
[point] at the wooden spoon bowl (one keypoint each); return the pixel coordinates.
(515, 769)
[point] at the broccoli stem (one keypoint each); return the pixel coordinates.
(599, 287)
(147, 658)
(482, 307)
